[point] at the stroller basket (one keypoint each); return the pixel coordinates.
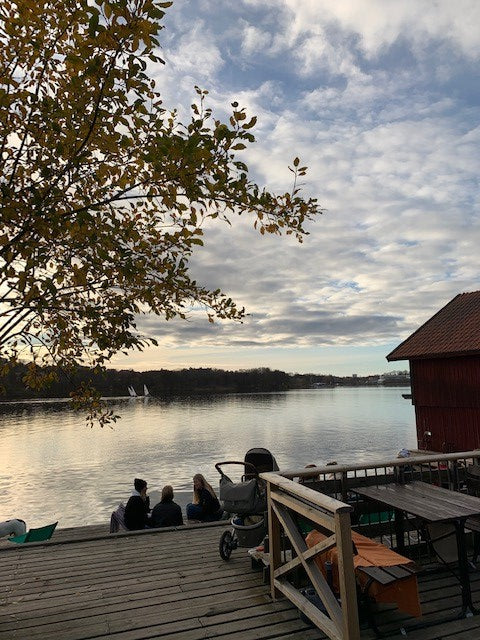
(250, 535)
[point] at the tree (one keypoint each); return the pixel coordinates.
(103, 190)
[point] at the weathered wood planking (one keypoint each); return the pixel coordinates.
(167, 584)
(173, 584)
(431, 503)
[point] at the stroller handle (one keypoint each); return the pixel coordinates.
(247, 466)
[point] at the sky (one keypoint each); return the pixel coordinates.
(380, 99)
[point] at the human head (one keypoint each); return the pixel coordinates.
(302, 480)
(198, 481)
(167, 493)
(333, 476)
(139, 485)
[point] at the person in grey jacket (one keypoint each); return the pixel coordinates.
(15, 527)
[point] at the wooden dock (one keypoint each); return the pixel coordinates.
(87, 584)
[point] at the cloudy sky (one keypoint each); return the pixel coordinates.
(380, 98)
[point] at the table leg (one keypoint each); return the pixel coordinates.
(467, 604)
(399, 530)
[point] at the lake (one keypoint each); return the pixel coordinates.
(53, 467)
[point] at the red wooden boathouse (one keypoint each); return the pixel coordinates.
(444, 356)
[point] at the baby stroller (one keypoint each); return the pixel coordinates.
(246, 501)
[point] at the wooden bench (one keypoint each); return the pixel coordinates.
(376, 577)
(383, 576)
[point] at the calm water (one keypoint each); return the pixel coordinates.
(52, 467)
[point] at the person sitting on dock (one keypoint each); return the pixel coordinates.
(309, 479)
(138, 507)
(166, 513)
(13, 527)
(205, 506)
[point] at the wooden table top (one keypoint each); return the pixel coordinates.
(432, 503)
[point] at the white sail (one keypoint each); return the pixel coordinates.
(146, 392)
(132, 392)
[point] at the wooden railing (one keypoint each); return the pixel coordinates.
(284, 498)
(289, 500)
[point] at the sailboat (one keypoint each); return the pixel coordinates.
(133, 394)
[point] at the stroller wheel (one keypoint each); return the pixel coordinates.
(226, 545)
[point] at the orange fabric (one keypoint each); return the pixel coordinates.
(372, 554)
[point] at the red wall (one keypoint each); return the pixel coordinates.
(452, 429)
(446, 395)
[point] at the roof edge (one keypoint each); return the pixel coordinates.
(391, 356)
(436, 356)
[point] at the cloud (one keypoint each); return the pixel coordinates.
(380, 99)
(255, 40)
(379, 24)
(195, 53)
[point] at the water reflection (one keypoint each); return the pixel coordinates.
(53, 467)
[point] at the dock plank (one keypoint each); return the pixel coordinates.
(173, 584)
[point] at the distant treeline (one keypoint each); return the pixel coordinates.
(164, 382)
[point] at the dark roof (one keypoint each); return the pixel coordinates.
(452, 331)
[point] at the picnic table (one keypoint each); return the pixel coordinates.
(373, 560)
(431, 504)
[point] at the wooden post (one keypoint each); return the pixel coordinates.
(455, 482)
(275, 542)
(346, 576)
(344, 486)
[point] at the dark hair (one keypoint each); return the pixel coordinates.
(139, 484)
(167, 493)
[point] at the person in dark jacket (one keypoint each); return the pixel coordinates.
(166, 513)
(205, 506)
(138, 507)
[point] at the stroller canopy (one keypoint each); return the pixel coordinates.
(261, 459)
